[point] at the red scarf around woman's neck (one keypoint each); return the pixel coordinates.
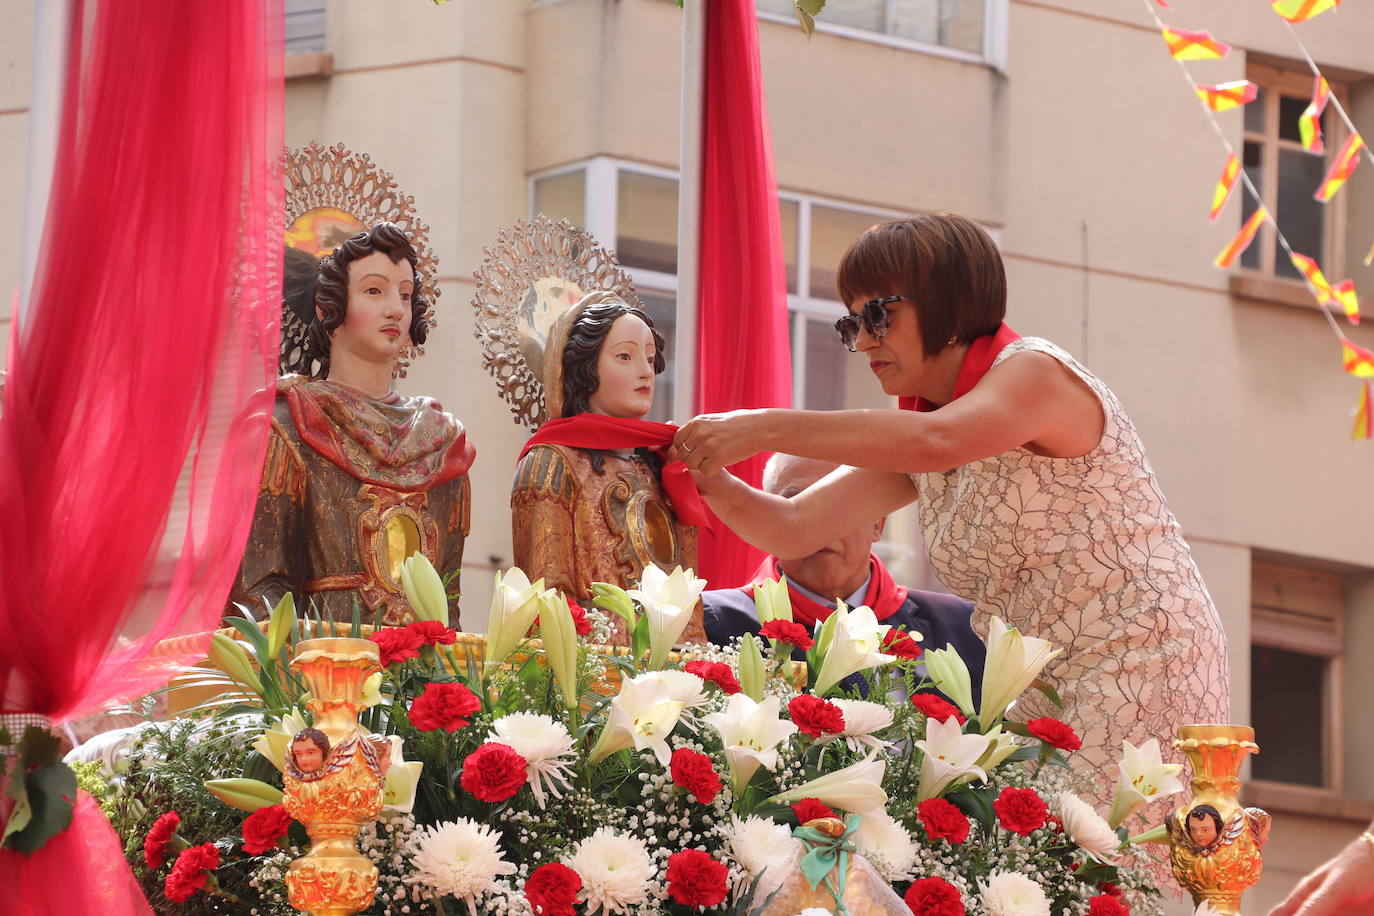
(598, 431)
(982, 352)
(884, 596)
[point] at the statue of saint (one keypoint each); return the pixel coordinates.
(582, 515)
(357, 477)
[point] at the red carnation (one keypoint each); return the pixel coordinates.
(695, 773)
(1108, 887)
(189, 874)
(810, 809)
(494, 772)
(581, 625)
(934, 897)
(937, 708)
(396, 644)
(942, 820)
(696, 879)
(264, 828)
(1108, 905)
(786, 631)
(445, 706)
(155, 843)
(898, 643)
(815, 716)
(1020, 810)
(434, 633)
(1052, 731)
(717, 673)
(552, 889)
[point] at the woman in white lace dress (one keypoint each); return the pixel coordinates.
(1035, 495)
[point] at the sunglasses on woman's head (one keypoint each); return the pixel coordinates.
(872, 316)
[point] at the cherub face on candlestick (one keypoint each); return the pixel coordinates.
(610, 360)
(309, 750)
(1204, 825)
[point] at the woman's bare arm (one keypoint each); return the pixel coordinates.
(786, 528)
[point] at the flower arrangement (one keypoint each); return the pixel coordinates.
(554, 776)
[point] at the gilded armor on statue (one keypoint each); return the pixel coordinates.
(333, 780)
(1215, 843)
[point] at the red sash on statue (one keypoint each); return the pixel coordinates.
(977, 361)
(884, 596)
(598, 431)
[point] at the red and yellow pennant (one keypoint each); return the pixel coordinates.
(1358, 361)
(1163, 3)
(1364, 417)
(1325, 293)
(1243, 238)
(1225, 96)
(1341, 168)
(1303, 10)
(1345, 294)
(1225, 185)
(1369, 256)
(1185, 45)
(1309, 122)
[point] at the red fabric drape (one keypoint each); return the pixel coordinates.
(136, 407)
(743, 358)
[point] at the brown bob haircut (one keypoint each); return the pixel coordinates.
(945, 264)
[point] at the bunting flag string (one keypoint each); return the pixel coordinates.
(1243, 238)
(1303, 10)
(1309, 122)
(1225, 96)
(1185, 45)
(1342, 167)
(1364, 416)
(1225, 185)
(1358, 361)
(1345, 295)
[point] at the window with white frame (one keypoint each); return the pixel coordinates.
(1296, 625)
(966, 27)
(303, 26)
(1287, 176)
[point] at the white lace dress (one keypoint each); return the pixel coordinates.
(1084, 552)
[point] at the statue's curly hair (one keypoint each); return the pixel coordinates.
(331, 288)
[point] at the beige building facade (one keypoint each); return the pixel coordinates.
(1064, 127)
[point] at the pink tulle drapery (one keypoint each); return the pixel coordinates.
(743, 358)
(136, 406)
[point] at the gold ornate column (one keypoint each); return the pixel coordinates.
(1215, 842)
(337, 790)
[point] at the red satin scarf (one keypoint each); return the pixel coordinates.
(982, 352)
(884, 596)
(598, 431)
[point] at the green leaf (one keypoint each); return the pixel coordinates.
(50, 797)
(1050, 693)
(250, 632)
(279, 624)
(807, 11)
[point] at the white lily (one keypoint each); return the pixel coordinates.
(861, 719)
(683, 687)
(642, 716)
(751, 674)
(424, 589)
(546, 746)
(667, 600)
(950, 674)
(514, 605)
(750, 732)
(857, 788)
(1001, 745)
(1085, 827)
(372, 690)
(950, 757)
(1143, 777)
(855, 646)
(559, 634)
(272, 743)
(772, 600)
(1013, 662)
(402, 776)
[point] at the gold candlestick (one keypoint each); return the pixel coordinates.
(333, 780)
(1215, 842)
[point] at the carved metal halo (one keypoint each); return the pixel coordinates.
(335, 184)
(536, 268)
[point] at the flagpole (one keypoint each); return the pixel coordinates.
(689, 208)
(51, 39)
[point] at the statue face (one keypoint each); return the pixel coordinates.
(307, 755)
(625, 370)
(1202, 830)
(377, 326)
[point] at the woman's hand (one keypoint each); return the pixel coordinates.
(1344, 884)
(714, 441)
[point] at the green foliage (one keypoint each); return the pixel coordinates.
(43, 789)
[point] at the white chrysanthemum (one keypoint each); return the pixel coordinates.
(861, 719)
(545, 745)
(1086, 827)
(459, 858)
(1013, 894)
(762, 847)
(615, 870)
(886, 844)
(683, 686)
